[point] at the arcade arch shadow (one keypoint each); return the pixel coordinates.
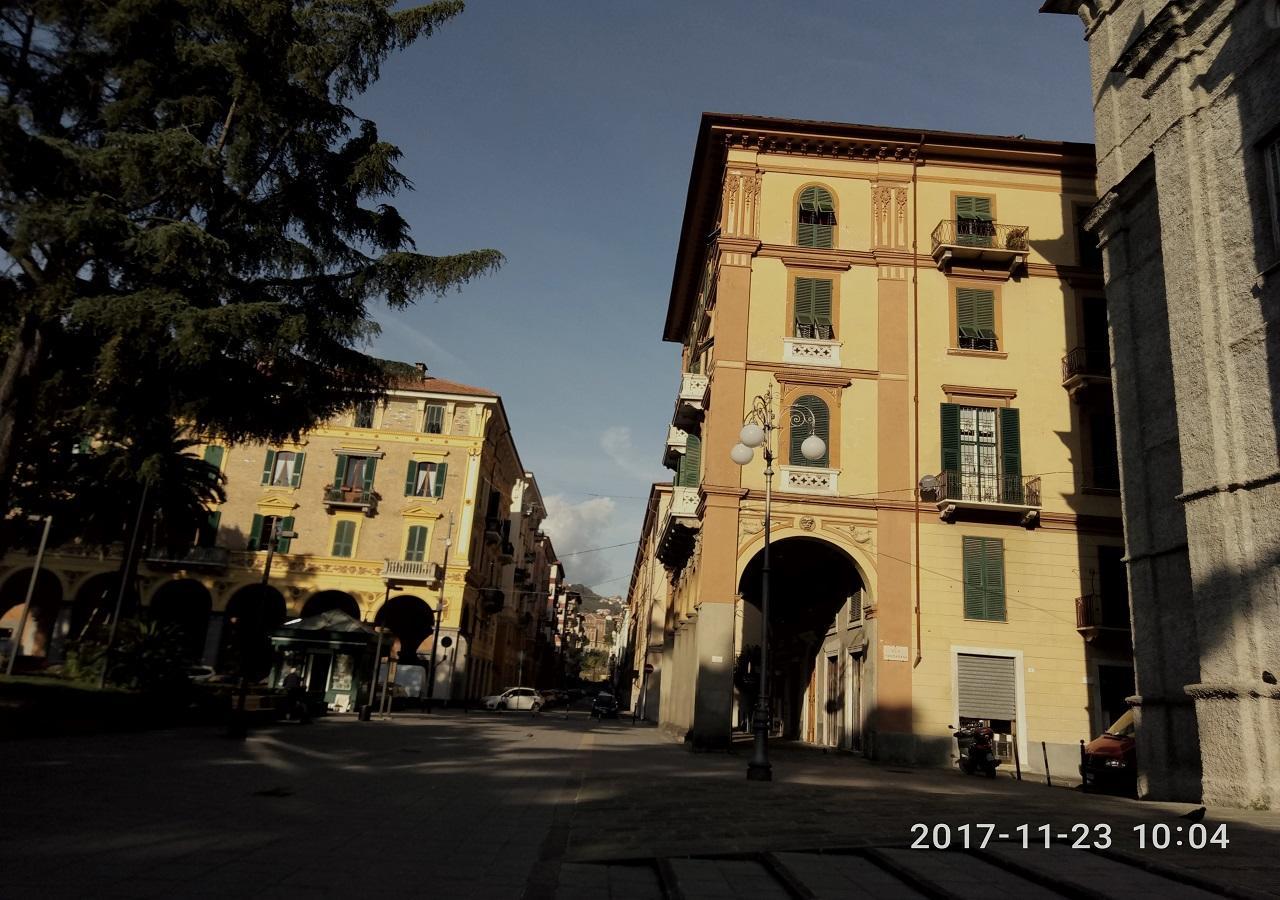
(185, 604)
(411, 620)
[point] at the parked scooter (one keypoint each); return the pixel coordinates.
(977, 751)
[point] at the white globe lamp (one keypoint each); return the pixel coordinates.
(813, 448)
(741, 454)
(752, 435)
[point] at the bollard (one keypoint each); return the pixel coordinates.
(1044, 751)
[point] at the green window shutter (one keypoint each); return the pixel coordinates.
(442, 470)
(415, 549)
(298, 460)
(340, 472)
(974, 603)
(690, 463)
(822, 309)
(984, 317)
(208, 536)
(282, 545)
(344, 534)
(950, 437)
(255, 533)
(213, 456)
(1011, 456)
(966, 317)
(817, 207)
(973, 208)
(798, 432)
(411, 478)
(806, 289)
(370, 465)
(993, 579)
(268, 466)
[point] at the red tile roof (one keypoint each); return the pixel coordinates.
(438, 386)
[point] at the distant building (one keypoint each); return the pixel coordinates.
(1188, 131)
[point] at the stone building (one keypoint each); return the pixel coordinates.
(1188, 142)
(406, 511)
(923, 303)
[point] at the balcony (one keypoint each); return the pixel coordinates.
(492, 600)
(210, 559)
(997, 496)
(675, 546)
(492, 530)
(1084, 369)
(807, 480)
(811, 351)
(350, 498)
(411, 572)
(691, 402)
(974, 242)
(1096, 618)
(507, 552)
(677, 443)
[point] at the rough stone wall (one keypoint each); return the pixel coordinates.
(1184, 99)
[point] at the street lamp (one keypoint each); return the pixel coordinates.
(755, 432)
(31, 589)
(435, 624)
(239, 727)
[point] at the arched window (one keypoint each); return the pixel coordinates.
(816, 218)
(800, 429)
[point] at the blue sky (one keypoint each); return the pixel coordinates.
(561, 132)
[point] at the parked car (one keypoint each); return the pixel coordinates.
(1111, 760)
(514, 698)
(604, 706)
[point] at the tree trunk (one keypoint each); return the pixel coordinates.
(17, 389)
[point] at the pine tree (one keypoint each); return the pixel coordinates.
(195, 222)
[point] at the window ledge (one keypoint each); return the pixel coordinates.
(985, 354)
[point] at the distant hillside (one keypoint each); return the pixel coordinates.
(593, 602)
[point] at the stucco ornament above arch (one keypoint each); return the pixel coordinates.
(861, 555)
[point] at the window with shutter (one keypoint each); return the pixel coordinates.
(801, 426)
(207, 536)
(984, 579)
(974, 225)
(344, 538)
(434, 421)
(816, 218)
(285, 469)
(415, 548)
(442, 472)
(421, 479)
(364, 414)
(214, 455)
(283, 544)
(690, 463)
(976, 319)
(813, 308)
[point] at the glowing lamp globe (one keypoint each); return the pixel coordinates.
(813, 448)
(741, 454)
(751, 435)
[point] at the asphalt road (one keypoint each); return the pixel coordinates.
(511, 805)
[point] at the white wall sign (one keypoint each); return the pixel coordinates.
(896, 652)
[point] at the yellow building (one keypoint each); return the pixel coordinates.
(405, 509)
(924, 303)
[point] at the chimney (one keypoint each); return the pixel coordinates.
(422, 369)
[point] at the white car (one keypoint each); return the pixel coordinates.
(514, 698)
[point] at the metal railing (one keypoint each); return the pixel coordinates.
(1086, 361)
(341, 496)
(974, 487)
(407, 568)
(979, 233)
(213, 557)
(1093, 611)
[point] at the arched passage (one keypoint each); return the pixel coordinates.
(95, 602)
(45, 601)
(324, 601)
(252, 613)
(184, 604)
(410, 618)
(815, 600)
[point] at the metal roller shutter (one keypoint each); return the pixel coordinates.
(987, 686)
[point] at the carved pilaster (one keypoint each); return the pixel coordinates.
(740, 203)
(889, 216)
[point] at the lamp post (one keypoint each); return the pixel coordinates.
(239, 726)
(756, 430)
(435, 637)
(31, 589)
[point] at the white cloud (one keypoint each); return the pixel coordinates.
(580, 526)
(616, 443)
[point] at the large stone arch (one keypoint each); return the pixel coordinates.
(95, 602)
(324, 601)
(253, 611)
(45, 602)
(185, 604)
(813, 582)
(412, 621)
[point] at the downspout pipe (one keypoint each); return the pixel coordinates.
(915, 380)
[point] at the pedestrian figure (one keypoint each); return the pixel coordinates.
(295, 696)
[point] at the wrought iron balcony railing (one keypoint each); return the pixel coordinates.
(1094, 613)
(189, 558)
(976, 487)
(1086, 361)
(978, 242)
(351, 497)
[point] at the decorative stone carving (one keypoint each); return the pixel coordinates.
(807, 523)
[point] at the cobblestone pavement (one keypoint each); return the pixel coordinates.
(555, 806)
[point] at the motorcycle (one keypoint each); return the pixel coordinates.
(977, 751)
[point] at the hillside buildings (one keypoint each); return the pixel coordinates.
(1188, 133)
(928, 304)
(407, 512)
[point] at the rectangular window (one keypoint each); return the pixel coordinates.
(355, 473)
(982, 453)
(283, 468)
(976, 319)
(974, 225)
(690, 463)
(1102, 452)
(1087, 243)
(813, 309)
(1113, 585)
(260, 532)
(425, 479)
(415, 548)
(855, 608)
(364, 414)
(344, 538)
(207, 534)
(214, 455)
(433, 422)
(1271, 161)
(984, 579)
